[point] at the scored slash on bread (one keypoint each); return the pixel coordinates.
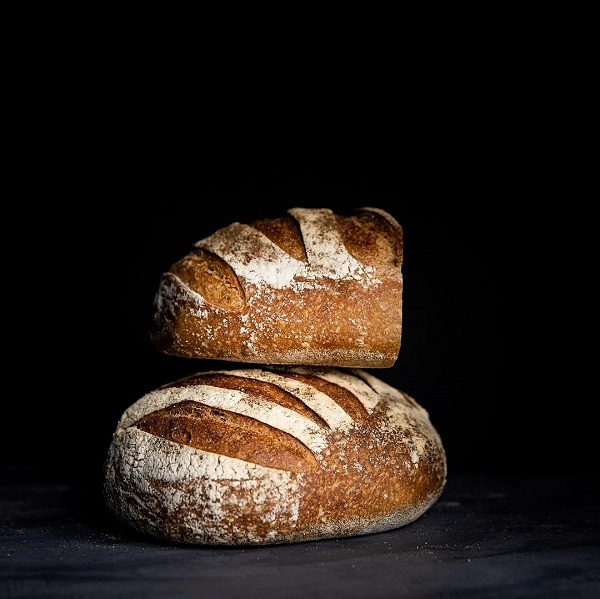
(272, 455)
(311, 287)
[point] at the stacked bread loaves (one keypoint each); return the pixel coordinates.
(303, 443)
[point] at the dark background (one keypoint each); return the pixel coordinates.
(490, 325)
(116, 163)
(119, 153)
(481, 308)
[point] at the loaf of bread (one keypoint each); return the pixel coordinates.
(311, 287)
(270, 455)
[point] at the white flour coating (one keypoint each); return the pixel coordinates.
(401, 411)
(267, 264)
(200, 488)
(169, 292)
(175, 491)
(351, 382)
(326, 252)
(277, 289)
(328, 409)
(413, 420)
(376, 386)
(289, 421)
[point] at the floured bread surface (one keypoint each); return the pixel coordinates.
(311, 287)
(271, 455)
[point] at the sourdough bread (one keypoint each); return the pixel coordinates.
(273, 454)
(311, 287)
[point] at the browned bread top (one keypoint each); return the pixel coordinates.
(271, 455)
(311, 287)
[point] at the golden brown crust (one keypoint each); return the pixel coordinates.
(371, 238)
(347, 400)
(285, 233)
(227, 433)
(196, 462)
(308, 288)
(211, 277)
(256, 388)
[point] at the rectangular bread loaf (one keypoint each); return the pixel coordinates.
(311, 287)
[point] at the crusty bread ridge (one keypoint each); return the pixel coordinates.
(273, 454)
(311, 287)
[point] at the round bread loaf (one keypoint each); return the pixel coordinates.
(271, 455)
(311, 287)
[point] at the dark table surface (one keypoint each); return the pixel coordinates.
(488, 536)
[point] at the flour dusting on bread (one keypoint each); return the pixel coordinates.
(190, 461)
(330, 295)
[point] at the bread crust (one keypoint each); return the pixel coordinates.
(302, 453)
(311, 287)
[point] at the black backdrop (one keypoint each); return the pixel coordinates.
(81, 277)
